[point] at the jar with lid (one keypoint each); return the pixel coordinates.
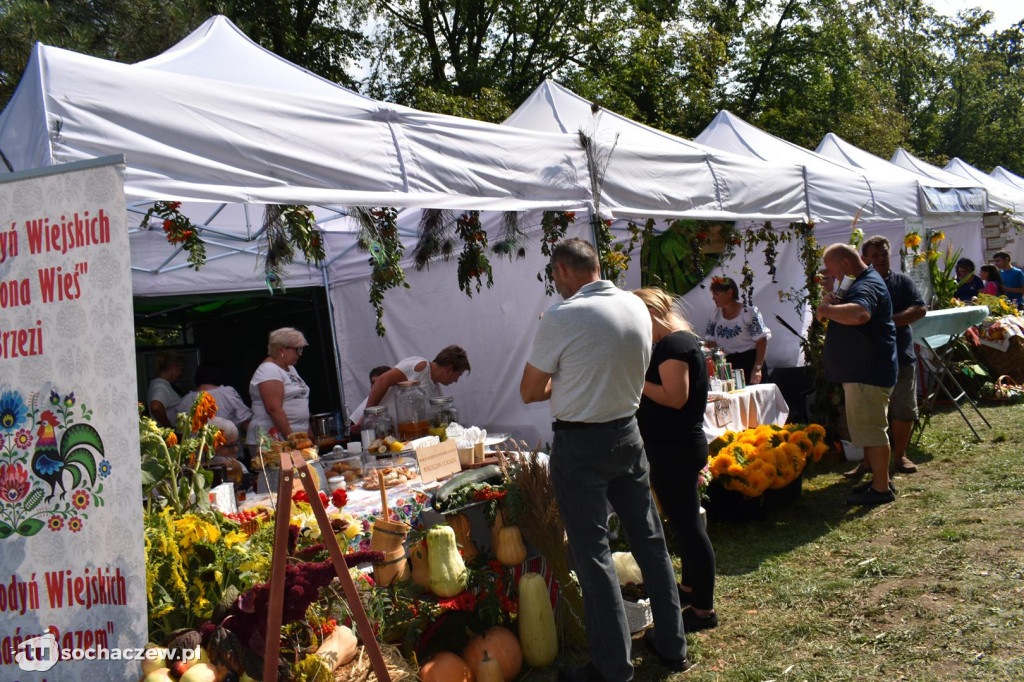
(377, 425)
(442, 413)
(411, 406)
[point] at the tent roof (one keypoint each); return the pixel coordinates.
(196, 138)
(1001, 196)
(653, 173)
(948, 195)
(835, 190)
(1003, 175)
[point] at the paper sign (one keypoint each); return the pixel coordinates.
(991, 231)
(71, 536)
(723, 413)
(995, 243)
(438, 461)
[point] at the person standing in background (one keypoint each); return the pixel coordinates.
(970, 285)
(162, 398)
(671, 419)
(860, 354)
(907, 308)
(1013, 277)
(589, 358)
(739, 330)
(230, 406)
(445, 369)
(993, 280)
(280, 398)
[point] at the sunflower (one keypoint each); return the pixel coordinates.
(203, 410)
(912, 240)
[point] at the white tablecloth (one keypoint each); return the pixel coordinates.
(744, 409)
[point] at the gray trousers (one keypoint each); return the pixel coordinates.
(591, 468)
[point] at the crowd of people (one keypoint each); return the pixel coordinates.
(998, 278)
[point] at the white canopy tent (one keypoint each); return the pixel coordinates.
(1001, 196)
(1012, 179)
(836, 191)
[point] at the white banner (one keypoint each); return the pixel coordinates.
(72, 568)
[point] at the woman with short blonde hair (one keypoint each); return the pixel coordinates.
(280, 398)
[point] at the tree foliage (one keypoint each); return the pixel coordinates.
(880, 73)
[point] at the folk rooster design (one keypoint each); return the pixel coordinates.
(75, 452)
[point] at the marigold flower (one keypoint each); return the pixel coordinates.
(172, 439)
(203, 410)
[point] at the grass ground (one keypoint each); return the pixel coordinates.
(928, 588)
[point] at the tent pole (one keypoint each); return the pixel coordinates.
(337, 350)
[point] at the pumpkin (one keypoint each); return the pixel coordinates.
(420, 564)
(446, 667)
(489, 670)
(499, 523)
(501, 645)
(447, 569)
(537, 633)
(510, 549)
(460, 524)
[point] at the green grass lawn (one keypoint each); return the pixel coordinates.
(930, 587)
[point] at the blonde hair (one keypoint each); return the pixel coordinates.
(283, 338)
(663, 308)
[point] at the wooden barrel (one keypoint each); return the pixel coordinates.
(389, 537)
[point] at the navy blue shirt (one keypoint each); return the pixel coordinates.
(904, 294)
(969, 288)
(863, 353)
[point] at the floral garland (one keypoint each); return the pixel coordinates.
(473, 261)
(513, 239)
(378, 236)
(286, 227)
(553, 225)
(179, 230)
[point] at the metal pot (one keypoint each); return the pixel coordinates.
(324, 424)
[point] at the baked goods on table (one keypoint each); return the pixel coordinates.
(393, 476)
(297, 441)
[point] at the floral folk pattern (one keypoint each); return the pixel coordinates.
(46, 444)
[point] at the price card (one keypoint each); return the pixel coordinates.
(723, 413)
(438, 461)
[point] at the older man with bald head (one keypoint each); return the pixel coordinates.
(860, 353)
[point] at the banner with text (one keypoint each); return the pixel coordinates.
(72, 568)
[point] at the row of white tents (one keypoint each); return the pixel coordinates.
(225, 126)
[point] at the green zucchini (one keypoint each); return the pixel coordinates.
(485, 474)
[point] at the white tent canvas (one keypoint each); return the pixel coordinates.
(1001, 196)
(836, 191)
(1012, 179)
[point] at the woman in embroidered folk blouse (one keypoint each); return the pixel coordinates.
(738, 330)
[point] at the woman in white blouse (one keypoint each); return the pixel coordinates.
(280, 398)
(738, 330)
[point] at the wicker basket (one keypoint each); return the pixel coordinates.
(638, 614)
(1010, 362)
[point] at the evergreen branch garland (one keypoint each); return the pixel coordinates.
(436, 236)
(554, 225)
(513, 239)
(378, 236)
(284, 228)
(473, 261)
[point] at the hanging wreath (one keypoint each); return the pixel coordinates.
(378, 236)
(286, 227)
(179, 230)
(554, 225)
(473, 262)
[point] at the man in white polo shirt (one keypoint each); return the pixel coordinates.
(589, 358)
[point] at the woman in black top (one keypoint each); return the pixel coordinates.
(671, 419)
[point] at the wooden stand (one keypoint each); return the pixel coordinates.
(293, 465)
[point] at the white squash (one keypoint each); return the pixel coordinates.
(537, 634)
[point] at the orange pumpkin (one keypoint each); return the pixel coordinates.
(500, 644)
(420, 564)
(446, 667)
(460, 524)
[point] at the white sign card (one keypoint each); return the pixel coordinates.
(72, 565)
(438, 461)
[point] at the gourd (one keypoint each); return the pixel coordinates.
(446, 667)
(510, 549)
(489, 670)
(499, 523)
(460, 524)
(447, 570)
(500, 644)
(538, 636)
(420, 564)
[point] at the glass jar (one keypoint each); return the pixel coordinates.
(411, 406)
(442, 413)
(377, 425)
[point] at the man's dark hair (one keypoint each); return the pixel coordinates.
(209, 373)
(966, 263)
(1001, 254)
(454, 357)
(377, 371)
(877, 241)
(576, 254)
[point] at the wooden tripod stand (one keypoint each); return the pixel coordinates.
(294, 466)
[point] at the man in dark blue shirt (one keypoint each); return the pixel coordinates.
(860, 353)
(907, 308)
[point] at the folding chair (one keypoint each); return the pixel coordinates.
(935, 334)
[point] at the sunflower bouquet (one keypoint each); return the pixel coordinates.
(765, 457)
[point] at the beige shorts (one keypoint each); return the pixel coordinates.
(867, 410)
